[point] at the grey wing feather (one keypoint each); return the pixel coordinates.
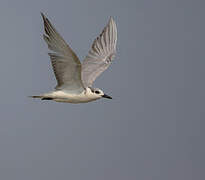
(66, 65)
(101, 54)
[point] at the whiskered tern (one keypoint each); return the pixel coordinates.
(74, 80)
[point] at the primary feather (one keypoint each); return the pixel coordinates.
(101, 54)
(66, 65)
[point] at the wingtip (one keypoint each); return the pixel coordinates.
(111, 19)
(43, 16)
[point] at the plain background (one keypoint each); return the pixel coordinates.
(153, 129)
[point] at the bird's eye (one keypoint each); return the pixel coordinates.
(97, 92)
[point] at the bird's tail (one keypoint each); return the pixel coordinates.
(35, 96)
(42, 97)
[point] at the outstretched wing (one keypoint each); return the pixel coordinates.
(66, 65)
(101, 54)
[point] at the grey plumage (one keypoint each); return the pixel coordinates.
(74, 80)
(101, 54)
(66, 65)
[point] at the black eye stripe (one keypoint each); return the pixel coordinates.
(97, 92)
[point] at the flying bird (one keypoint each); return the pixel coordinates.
(75, 80)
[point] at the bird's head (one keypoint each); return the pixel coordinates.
(96, 93)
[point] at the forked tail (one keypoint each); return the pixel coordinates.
(36, 96)
(42, 97)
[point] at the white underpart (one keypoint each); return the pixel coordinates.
(62, 96)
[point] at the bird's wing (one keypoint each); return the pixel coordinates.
(66, 65)
(101, 54)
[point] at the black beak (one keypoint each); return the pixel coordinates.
(106, 96)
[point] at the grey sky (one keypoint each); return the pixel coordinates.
(153, 129)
